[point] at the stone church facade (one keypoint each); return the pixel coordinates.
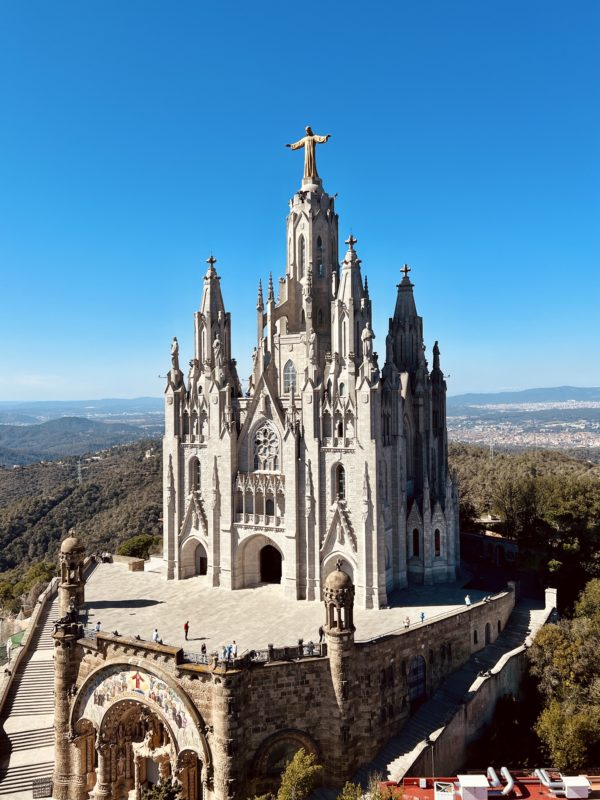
(332, 452)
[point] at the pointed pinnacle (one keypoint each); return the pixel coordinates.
(271, 294)
(259, 302)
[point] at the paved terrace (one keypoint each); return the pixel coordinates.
(134, 603)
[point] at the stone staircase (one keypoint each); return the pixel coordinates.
(27, 720)
(397, 756)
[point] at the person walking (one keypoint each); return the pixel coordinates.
(422, 616)
(234, 649)
(186, 629)
(321, 634)
(155, 636)
(97, 626)
(8, 649)
(467, 600)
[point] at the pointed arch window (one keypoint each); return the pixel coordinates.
(340, 482)
(320, 268)
(342, 390)
(266, 448)
(416, 543)
(289, 377)
(301, 256)
(194, 474)
(437, 543)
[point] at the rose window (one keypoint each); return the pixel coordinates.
(266, 449)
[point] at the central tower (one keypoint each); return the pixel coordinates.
(328, 458)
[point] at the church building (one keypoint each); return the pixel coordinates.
(333, 452)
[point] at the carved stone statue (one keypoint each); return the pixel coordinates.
(367, 337)
(312, 346)
(217, 351)
(389, 353)
(309, 143)
(175, 353)
(193, 376)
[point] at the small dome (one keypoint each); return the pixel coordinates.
(71, 544)
(338, 579)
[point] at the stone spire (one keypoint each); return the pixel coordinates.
(260, 305)
(351, 309)
(406, 327)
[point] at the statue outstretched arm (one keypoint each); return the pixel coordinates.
(296, 145)
(322, 139)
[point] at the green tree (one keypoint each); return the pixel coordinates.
(350, 791)
(138, 546)
(169, 789)
(299, 777)
(564, 659)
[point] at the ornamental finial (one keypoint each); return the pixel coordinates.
(338, 564)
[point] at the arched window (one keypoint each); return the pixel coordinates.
(327, 425)
(194, 474)
(289, 377)
(416, 543)
(320, 268)
(270, 507)
(340, 482)
(488, 633)
(437, 543)
(475, 637)
(342, 390)
(339, 432)
(266, 448)
(301, 256)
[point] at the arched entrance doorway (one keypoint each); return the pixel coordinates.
(136, 728)
(201, 560)
(417, 682)
(270, 564)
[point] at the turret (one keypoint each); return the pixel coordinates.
(66, 632)
(72, 581)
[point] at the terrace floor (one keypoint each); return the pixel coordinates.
(134, 603)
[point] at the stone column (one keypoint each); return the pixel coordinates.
(103, 788)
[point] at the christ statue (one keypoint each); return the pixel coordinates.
(309, 143)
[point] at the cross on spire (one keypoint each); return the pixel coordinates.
(405, 269)
(211, 261)
(351, 241)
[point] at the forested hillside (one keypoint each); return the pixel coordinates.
(120, 495)
(58, 438)
(546, 500)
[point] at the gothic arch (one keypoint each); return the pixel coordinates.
(328, 564)
(248, 559)
(193, 557)
(109, 685)
(273, 753)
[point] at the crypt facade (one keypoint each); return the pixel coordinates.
(332, 451)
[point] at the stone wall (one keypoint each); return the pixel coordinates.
(251, 712)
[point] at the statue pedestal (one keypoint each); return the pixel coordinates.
(312, 185)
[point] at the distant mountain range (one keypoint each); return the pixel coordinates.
(559, 417)
(58, 438)
(554, 394)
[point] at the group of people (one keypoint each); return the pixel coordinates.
(228, 652)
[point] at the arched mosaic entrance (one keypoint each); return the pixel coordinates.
(270, 564)
(134, 728)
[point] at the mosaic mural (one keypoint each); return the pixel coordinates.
(115, 683)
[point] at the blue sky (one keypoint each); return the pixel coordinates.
(136, 137)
